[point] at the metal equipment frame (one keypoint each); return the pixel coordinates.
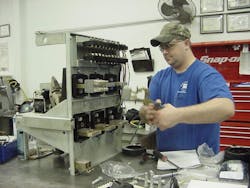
(56, 127)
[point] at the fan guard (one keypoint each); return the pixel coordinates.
(183, 11)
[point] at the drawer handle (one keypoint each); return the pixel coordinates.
(229, 127)
(240, 96)
(242, 101)
(239, 91)
(240, 137)
(242, 110)
(235, 132)
(227, 145)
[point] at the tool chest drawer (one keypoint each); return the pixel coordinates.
(241, 96)
(224, 56)
(229, 141)
(234, 133)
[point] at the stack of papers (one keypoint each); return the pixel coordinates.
(182, 159)
(208, 184)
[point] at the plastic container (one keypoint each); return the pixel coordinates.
(8, 151)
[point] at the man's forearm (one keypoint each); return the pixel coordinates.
(215, 110)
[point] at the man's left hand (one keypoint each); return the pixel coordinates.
(167, 117)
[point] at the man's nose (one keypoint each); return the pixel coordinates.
(165, 51)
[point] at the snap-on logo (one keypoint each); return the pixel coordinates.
(220, 60)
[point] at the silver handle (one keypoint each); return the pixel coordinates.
(228, 145)
(242, 110)
(237, 132)
(242, 101)
(240, 91)
(230, 136)
(229, 127)
(243, 96)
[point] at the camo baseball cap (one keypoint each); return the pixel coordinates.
(170, 31)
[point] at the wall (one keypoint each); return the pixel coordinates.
(10, 14)
(38, 64)
(43, 62)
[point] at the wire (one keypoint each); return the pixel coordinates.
(25, 96)
(128, 73)
(133, 136)
(124, 73)
(137, 124)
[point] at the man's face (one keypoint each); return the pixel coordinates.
(174, 52)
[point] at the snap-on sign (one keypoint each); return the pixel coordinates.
(220, 60)
(223, 56)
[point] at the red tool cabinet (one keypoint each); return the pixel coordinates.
(225, 57)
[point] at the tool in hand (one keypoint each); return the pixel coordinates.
(155, 155)
(100, 178)
(158, 106)
(159, 155)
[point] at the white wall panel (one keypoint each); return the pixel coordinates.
(38, 64)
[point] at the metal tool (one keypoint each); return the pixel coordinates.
(100, 178)
(158, 106)
(146, 179)
(155, 182)
(159, 183)
(165, 175)
(159, 155)
(173, 164)
(151, 179)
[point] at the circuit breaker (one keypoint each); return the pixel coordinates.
(95, 76)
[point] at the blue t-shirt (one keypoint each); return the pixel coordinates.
(199, 83)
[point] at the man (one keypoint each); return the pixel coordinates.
(195, 96)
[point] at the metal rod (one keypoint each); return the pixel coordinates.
(148, 181)
(108, 26)
(165, 175)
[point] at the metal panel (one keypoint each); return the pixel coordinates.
(45, 122)
(60, 110)
(101, 147)
(43, 39)
(92, 104)
(56, 138)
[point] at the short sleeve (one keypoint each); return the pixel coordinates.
(154, 88)
(213, 85)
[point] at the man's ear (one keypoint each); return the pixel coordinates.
(187, 42)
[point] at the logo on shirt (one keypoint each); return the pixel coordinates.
(183, 88)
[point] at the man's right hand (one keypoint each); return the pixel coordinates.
(147, 113)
